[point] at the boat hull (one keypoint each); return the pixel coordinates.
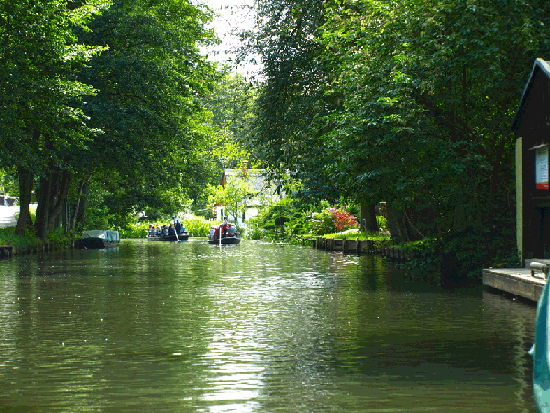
(95, 244)
(225, 241)
(181, 237)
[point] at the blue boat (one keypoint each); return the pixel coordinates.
(541, 350)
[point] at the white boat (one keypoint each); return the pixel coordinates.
(98, 239)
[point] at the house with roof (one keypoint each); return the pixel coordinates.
(531, 126)
(263, 193)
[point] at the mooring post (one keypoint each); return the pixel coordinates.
(539, 266)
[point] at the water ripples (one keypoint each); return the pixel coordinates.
(190, 327)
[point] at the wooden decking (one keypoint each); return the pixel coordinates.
(516, 281)
(345, 245)
(350, 246)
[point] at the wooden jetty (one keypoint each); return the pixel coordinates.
(343, 244)
(526, 282)
(357, 246)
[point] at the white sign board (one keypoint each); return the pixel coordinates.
(541, 167)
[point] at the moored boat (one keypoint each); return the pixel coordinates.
(98, 239)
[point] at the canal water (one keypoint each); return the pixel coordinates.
(191, 327)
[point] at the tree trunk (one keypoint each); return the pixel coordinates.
(59, 195)
(398, 232)
(26, 179)
(80, 212)
(368, 216)
(76, 207)
(42, 211)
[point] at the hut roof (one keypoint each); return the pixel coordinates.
(533, 112)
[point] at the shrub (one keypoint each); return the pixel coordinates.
(382, 222)
(8, 237)
(60, 238)
(137, 230)
(198, 227)
(333, 219)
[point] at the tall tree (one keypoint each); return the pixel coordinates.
(292, 103)
(39, 56)
(429, 93)
(150, 83)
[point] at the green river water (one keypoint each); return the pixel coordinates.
(258, 327)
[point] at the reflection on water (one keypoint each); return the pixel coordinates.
(190, 327)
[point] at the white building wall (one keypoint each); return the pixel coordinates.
(251, 212)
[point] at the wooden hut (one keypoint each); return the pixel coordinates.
(532, 130)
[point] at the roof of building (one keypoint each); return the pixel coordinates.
(533, 111)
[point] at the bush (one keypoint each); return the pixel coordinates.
(382, 222)
(293, 213)
(333, 219)
(137, 230)
(460, 257)
(198, 227)
(60, 238)
(8, 237)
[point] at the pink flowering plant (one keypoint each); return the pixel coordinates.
(333, 220)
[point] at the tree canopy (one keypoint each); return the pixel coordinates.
(403, 101)
(107, 91)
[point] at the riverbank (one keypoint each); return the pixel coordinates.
(358, 246)
(12, 244)
(7, 251)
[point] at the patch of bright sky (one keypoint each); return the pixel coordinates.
(233, 16)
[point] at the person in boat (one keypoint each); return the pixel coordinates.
(225, 226)
(157, 231)
(171, 230)
(151, 230)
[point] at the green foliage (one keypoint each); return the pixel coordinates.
(134, 230)
(39, 89)
(198, 227)
(300, 219)
(333, 219)
(407, 102)
(8, 183)
(295, 214)
(292, 100)
(153, 155)
(460, 257)
(382, 222)
(350, 235)
(234, 196)
(60, 238)
(231, 104)
(8, 237)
